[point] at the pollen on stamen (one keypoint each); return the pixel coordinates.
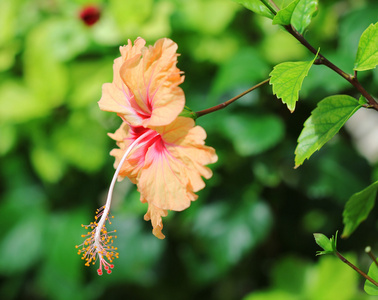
(98, 245)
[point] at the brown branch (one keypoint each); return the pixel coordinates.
(344, 260)
(228, 102)
(323, 60)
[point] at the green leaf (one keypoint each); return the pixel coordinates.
(47, 164)
(256, 133)
(358, 208)
(45, 75)
(325, 121)
(286, 79)
(362, 100)
(303, 13)
(369, 287)
(284, 15)
(328, 245)
(81, 142)
(367, 53)
(257, 7)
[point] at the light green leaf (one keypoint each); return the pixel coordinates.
(328, 245)
(362, 100)
(45, 76)
(325, 121)
(367, 53)
(284, 15)
(49, 166)
(369, 287)
(303, 13)
(257, 7)
(358, 208)
(286, 79)
(81, 142)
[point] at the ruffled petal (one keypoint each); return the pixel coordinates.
(154, 214)
(116, 96)
(153, 81)
(174, 165)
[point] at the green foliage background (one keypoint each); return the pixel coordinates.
(249, 235)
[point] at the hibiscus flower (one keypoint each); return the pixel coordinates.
(145, 90)
(163, 153)
(167, 165)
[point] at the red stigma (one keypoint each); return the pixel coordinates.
(90, 14)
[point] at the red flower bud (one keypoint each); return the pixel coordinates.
(90, 14)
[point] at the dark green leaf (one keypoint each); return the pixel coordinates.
(358, 208)
(325, 121)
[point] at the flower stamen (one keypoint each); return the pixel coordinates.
(98, 243)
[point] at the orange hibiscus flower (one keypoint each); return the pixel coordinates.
(163, 153)
(167, 165)
(145, 90)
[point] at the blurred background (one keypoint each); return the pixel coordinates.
(249, 234)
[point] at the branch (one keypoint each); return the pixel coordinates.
(228, 102)
(344, 260)
(324, 61)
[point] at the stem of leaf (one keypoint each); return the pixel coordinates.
(344, 260)
(324, 61)
(269, 6)
(228, 102)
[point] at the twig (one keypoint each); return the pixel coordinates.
(228, 102)
(323, 60)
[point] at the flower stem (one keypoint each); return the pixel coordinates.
(324, 61)
(228, 102)
(344, 260)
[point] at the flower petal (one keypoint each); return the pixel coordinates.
(174, 165)
(154, 214)
(116, 96)
(153, 81)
